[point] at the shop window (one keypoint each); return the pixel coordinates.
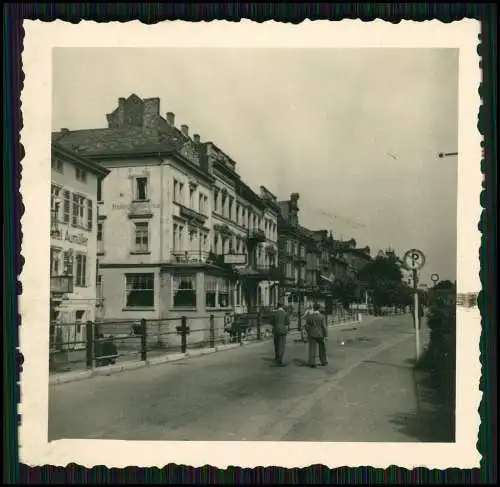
(139, 289)
(184, 291)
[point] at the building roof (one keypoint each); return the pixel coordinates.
(60, 151)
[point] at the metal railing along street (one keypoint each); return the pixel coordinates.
(80, 346)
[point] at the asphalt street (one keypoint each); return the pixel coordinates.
(241, 395)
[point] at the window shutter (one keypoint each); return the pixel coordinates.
(75, 209)
(90, 215)
(85, 271)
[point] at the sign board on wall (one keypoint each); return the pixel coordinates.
(235, 259)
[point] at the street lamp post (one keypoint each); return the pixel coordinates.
(441, 155)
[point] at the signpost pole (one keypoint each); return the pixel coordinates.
(415, 259)
(416, 312)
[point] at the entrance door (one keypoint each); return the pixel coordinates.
(79, 330)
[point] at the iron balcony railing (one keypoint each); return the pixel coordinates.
(257, 234)
(190, 256)
(61, 284)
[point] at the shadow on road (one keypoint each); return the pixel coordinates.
(300, 362)
(431, 421)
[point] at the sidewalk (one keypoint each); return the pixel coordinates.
(163, 357)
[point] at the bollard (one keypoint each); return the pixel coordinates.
(240, 335)
(259, 322)
(183, 330)
(89, 344)
(212, 331)
(144, 340)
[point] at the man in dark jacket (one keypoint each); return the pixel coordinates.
(281, 325)
(317, 333)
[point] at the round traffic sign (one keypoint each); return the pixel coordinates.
(435, 277)
(414, 259)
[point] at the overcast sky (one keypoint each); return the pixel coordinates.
(355, 132)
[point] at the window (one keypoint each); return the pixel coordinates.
(175, 237)
(78, 210)
(216, 243)
(203, 204)
(216, 200)
(141, 237)
(90, 215)
(210, 291)
(81, 270)
(243, 218)
(218, 292)
(55, 203)
(184, 291)
(98, 284)
(178, 190)
(99, 189)
(68, 263)
(192, 193)
(141, 189)
(56, 264)
(57, 165)
(100, 238)
(81, 175)
(225, 293)
(139, 290)
(230, 209)
(223, 205)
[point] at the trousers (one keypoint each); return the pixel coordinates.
(320, 344)
(279, 347)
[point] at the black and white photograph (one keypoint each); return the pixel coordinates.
(251, 247)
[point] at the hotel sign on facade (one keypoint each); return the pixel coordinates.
(78, 238)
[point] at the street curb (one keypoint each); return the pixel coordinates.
(66, 377)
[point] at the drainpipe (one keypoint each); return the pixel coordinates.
(161, 235)
(161, 207)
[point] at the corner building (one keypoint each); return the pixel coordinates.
(73, 243)
(162, 234)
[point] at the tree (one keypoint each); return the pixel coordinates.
(384, 280)
(346, 290)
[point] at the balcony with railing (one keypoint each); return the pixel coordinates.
(61, 285)
(260, 272)
(140, 209)
(256, 235)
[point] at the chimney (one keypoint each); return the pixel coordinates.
(185, 130)
(171, 119)
(150, 112)
(121, 102)
(64, 131)
(196, 138)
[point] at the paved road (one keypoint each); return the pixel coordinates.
(241, 395)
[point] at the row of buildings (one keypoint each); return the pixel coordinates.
(151, 222)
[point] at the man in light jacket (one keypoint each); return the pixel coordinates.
(317, 333)
(281, 325)
(303, 332)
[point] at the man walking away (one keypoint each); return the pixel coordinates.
(317, 333)
(281, 325)
(303, 332)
